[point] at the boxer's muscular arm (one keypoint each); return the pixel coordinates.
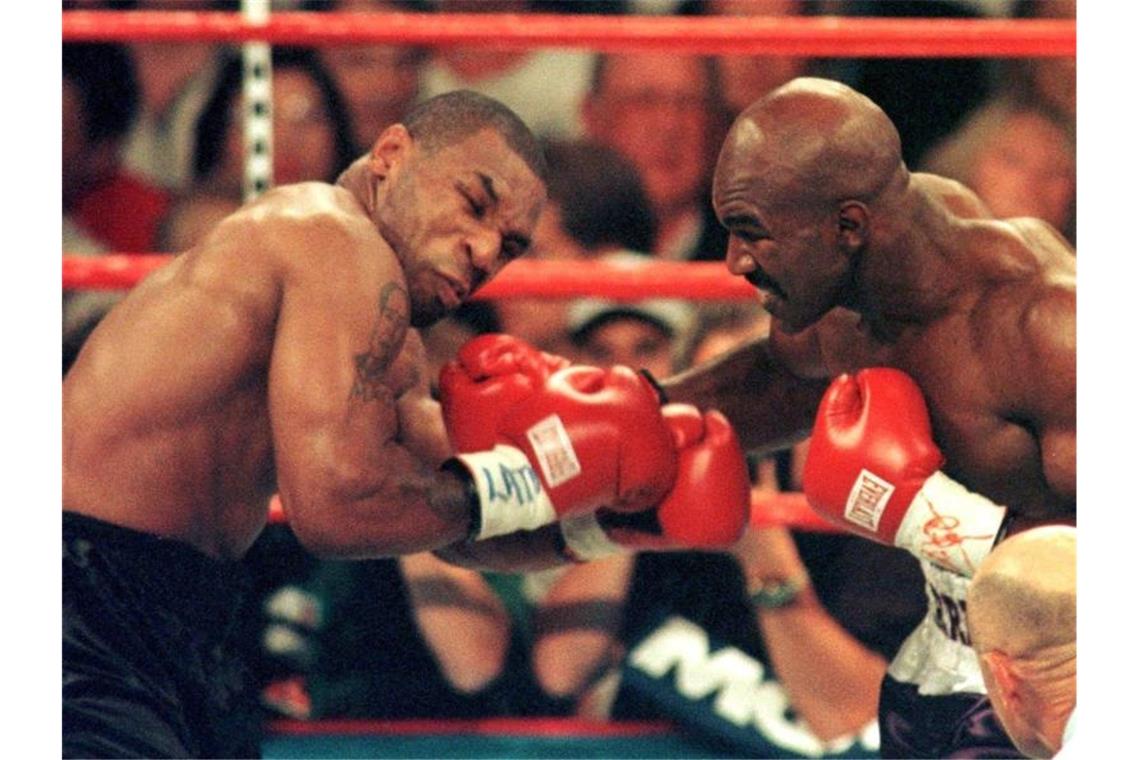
(1047, 359)
(961, 200)
(520, 552)
(421, 428)
(341, 362)
(769, 389)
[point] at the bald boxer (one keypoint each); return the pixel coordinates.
(282, 354)
(1022, 610)
(863, 263)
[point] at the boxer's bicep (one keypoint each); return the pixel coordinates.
(330, 405)
(350, 485)
(1050, 377)
(1059, 459)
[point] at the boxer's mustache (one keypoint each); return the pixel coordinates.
(760, 280)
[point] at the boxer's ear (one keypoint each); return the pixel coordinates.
(853, 221)
(390, 148)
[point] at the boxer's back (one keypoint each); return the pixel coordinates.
(165, 414)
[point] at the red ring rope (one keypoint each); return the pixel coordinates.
(706, 280)
(819, 36)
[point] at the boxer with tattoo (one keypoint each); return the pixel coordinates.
(282, 355)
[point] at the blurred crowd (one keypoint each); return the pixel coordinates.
(153, 157)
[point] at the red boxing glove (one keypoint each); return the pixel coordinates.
(582, 439)
(873, 469)
(707, 508)
(490, 374)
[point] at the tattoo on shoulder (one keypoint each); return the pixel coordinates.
(383, 345)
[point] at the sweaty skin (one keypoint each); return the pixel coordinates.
(282, 354)
(862, 264)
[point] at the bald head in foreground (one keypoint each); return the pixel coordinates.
(1022, 610)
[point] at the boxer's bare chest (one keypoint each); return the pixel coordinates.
(987, 447)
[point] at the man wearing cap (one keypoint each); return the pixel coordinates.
(649, 334)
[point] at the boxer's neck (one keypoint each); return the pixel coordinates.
(906, 273)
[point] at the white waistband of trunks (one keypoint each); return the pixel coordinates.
(937, 656)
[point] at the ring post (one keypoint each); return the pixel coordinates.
(257, 104)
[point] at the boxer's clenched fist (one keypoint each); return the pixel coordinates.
(490, 374)
(873, 469)
(554, 443)
(707, 507)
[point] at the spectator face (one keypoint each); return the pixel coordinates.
(1027, 169)
(303, 140)
(379, 84)
(654, 109)
(302, 135)
(631, 342)
(746, 78)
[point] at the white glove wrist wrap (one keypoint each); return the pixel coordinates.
(950, 526)
(511, 496)
(586, 539)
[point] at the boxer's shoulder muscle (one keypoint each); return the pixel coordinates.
(1019, 337)
(953, 195)
(320, 228)
(251, 255)
(1024, 323)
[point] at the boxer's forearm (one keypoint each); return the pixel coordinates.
(523, 551)
(769, 407)
(399, 506)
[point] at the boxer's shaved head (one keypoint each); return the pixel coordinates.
(812, 141)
